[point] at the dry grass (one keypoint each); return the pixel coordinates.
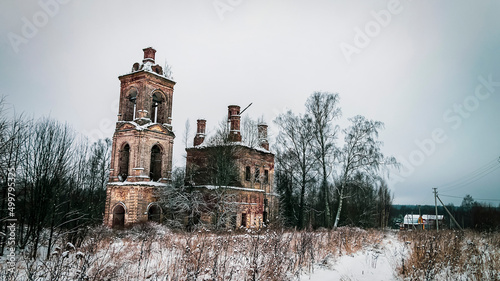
(152, 252)
(451, 255)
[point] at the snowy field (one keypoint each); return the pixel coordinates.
(154, 252)
(377, 262)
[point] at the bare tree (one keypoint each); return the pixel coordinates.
(181, 204)
(249, 132)
(361, 153)
(384, 203)
(186, 138)
(323, 109)
(295, 142)
(167, 70)
(12, 136)
(46, 164)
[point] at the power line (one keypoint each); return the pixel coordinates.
(472, 197)
(472, 180)
(478, 171)
(473, 176)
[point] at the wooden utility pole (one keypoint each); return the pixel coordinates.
(436, 206)
(449, 213)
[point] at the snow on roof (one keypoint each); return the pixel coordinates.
(413, 219)
(147, 125)
(148, 67)
(213, 187)
(205, 145)
(149, 183)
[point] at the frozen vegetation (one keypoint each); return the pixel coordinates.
(153, 252)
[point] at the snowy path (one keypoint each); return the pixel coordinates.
(372, 264)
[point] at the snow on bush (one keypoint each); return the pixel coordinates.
(451, 255)
(153, 252)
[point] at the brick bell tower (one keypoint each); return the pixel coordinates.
(141, 160)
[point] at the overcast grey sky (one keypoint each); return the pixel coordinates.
(427, 69)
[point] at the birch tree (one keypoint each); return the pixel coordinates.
(323, 109)
(361, 153)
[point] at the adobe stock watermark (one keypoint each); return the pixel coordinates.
(105, 125)
(31, 26)
(223, 6)
(453, 116)
(11, 221)
(363, 37)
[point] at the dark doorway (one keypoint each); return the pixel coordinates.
(118, 217)
(154, 213)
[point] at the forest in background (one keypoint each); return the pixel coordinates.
(60, 177)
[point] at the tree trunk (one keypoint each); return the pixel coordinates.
(301, 207)
(337, 218)
(326, 200)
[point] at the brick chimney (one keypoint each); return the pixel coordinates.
(200, 132)
(263, 136)
(149, 55)
(234, 118)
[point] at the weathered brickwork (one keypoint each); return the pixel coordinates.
(257, 202)
(141, 159)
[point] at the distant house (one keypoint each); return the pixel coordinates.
(412, 221)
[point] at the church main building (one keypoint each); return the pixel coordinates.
(252, 186)
(141, 160)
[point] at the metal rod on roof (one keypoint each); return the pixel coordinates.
(241, 112)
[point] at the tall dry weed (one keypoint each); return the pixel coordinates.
(451, 255)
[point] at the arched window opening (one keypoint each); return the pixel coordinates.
(154, 213)
(156, 108)
(158, 69)
(159, 108)
(135, 67)
(118, 217)
(124, 163)
(155, 166)
(130, 106)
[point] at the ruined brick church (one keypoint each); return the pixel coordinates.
(141, 159)
(253, 185)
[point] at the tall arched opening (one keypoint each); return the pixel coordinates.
(154, 213)
(124, 162)
(118, 217)
(155, 165)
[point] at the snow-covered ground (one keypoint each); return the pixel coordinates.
(154, 252)
(378, 262)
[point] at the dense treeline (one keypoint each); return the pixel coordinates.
(326, 184)
(57, 180)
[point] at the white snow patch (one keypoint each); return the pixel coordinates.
(372, 264)
(257, 148)
(212, 187)
(150, 183)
